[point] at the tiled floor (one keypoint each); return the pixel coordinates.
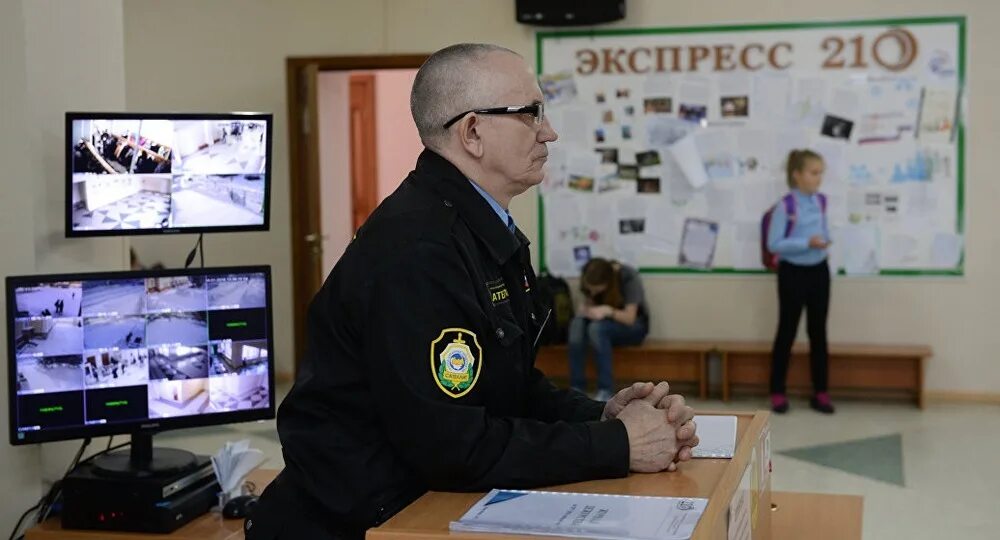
(193, 209)
(190, 364)
(223, 401)
(238, 157)
(946, 457)
(945, 460)
(142, 210)
(167, 409)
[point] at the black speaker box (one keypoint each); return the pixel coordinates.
(569, 12)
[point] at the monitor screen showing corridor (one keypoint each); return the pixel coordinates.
(102, 350)
(145, 173)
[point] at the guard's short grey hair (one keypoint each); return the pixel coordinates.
(451, 81)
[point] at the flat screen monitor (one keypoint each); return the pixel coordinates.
(131, 173)
(138, 352)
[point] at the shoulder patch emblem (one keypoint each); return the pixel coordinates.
(456, 361)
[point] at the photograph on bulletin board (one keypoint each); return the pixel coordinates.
(660, 129)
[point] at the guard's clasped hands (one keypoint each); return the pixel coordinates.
(661, 430)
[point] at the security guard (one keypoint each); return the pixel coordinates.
(419, 370)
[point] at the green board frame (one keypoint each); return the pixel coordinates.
(959, 20)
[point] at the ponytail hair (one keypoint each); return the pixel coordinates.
(797, 161)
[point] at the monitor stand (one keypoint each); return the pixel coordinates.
(142, 460)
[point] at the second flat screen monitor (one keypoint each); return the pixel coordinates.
(167, 173)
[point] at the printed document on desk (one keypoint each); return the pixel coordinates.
(583, 515)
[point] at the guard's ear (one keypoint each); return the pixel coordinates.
(469, 136)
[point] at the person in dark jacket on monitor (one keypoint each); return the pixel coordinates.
(419, 370)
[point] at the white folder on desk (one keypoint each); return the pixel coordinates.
(583, 515)
(717, 436)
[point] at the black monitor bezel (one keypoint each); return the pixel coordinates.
(147, 425)
(268, 119)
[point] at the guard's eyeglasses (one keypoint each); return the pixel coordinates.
(536, 110)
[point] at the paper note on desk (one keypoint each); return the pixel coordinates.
(583, 515)
(233, 462)
(716, 435)
(740, 527)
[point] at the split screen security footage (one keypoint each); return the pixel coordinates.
(124, 348)
(131, 173)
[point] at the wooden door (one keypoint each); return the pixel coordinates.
(303, 157)
(307, 245)
(364, 167)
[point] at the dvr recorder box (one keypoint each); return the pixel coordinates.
(156, 505)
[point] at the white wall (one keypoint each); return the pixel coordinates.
(63, 76)
(190, 136)
(21, 487)
(156, 184)
(955, 316)
(74, 62)
(333, 100)
(104, 189)
(158, 131)
(239, 386)
(46, 71)
(178, 392)
(79, 192)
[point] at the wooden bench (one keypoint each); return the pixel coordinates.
(673, 361)
(855, 370)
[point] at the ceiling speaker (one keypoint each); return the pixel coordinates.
(569, 12)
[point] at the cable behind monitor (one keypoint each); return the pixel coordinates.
(199, 248)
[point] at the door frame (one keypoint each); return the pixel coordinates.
(303, 168)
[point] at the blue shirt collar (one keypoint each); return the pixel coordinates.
(503, 214)
(798, 193)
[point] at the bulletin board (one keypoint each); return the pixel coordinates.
(673, 141)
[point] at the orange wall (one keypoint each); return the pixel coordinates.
(397, 147)
(333, 106)
(397, 139)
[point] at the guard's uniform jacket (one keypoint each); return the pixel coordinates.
(419, 373)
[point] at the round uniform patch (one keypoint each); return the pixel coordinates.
(456, 360)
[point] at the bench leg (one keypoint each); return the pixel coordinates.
(920, 383)
(725, 376)
(703, 383)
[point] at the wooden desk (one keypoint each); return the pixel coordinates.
(794, 515)
(816, 516)
(210, 526)
(716, 479)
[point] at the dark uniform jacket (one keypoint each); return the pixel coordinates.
(419, 373)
